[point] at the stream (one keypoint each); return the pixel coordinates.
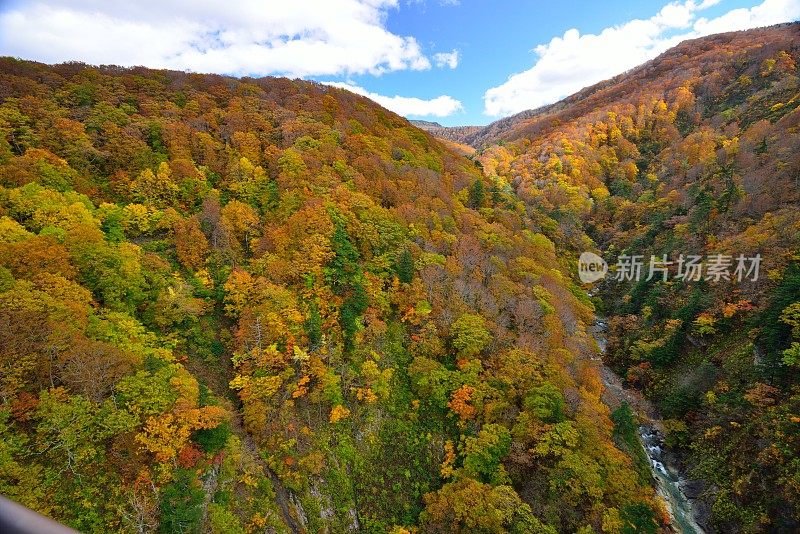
(670, 483)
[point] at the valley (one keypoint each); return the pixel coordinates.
(235, 305)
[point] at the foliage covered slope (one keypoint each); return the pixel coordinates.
(265, 305)
(695, 153)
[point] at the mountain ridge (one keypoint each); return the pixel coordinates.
(523, 123)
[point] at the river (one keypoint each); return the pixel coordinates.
(669, 482)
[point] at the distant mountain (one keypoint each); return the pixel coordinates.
(425, 125)
(691, 58)
(458, 134)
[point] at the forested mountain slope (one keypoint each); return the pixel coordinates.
(240, 305)
(693, 58)
(269, 306)
(695, 153)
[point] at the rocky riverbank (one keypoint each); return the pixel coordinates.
(679, 494)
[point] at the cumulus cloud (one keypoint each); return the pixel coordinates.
(449, 59)
(295, 38)
(441, 106)
(569, 63)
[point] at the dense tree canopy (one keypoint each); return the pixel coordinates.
(694, 153)
(248, 305)
(237, 304)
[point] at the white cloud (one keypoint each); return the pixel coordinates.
(770, 12)
(569, 63)
(441, 106)
(443, 3)
(449, 59)
(294, 38)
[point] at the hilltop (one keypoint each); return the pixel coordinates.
(691, 58)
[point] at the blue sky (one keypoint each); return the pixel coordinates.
(455, 62)
(496, 39)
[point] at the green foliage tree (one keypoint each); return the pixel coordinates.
(483, 454)
(469, 335)
(182, 504)
(404, 266)
(477, 194)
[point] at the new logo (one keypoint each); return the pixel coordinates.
(591, 267)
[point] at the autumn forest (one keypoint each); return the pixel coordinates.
(238, 305)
